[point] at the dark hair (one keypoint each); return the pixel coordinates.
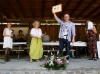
(20, 31)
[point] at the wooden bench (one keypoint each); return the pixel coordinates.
(15, 50)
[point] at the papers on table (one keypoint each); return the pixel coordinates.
(57, 8)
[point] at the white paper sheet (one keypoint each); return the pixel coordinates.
(57, 8)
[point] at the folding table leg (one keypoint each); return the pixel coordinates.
(18, 54)
(19, 51)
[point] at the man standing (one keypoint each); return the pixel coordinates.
(67, 31)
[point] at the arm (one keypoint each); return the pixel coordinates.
(94, 29)
(57, 19)
(41, 33)
(4, 33)
(23, 36)
(31, 34)
(18, 36)
(73, 33)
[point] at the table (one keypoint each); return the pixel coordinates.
(76, 44)
(15, 43)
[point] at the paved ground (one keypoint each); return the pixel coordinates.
(24, 63)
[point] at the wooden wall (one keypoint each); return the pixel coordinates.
(98, 30)
(53, 31)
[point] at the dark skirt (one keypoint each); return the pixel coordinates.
(91, 42)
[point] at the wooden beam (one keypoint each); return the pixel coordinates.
(77, 6)
(21, 7)
(85, 9)
(92, 12)
(5, 13)
(0, 16)
(97, 15)
(56, 2)
(66, 6)
(43, 8)
(31, 8)
(9, 4)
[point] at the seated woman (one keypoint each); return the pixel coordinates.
(20, 37)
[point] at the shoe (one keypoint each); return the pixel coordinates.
(6, 59)
(90, 58)
(67, 62)
(95, 59)
(37, 60)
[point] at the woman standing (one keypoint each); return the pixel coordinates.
(91, 40)
(7, 33)
(36, 49)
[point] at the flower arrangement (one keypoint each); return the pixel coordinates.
(55, 62)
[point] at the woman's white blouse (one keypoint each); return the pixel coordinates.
(36, 32)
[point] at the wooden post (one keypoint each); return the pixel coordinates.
(98, 30)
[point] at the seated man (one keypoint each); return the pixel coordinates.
(28, 37)
(20, 37)
(46, 38)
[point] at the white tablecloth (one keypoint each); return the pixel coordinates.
(78, 44)
(16, 43)
(98, 47)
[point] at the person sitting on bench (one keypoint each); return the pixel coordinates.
(20, 37)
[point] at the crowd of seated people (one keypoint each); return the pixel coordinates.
(21, 37)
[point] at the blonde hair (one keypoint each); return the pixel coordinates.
(35, 22)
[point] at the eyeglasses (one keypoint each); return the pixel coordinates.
(66, 17)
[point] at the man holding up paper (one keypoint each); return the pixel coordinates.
(67, 31)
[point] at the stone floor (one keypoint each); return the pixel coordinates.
(23, 66)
